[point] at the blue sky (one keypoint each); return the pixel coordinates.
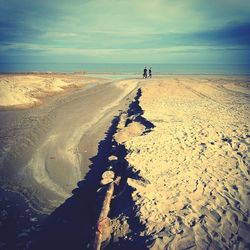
(125, 31)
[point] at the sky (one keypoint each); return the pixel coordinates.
(125, 31)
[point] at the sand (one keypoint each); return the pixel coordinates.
(181, 148)
(26, 90)
(191, 171)
(45, 150)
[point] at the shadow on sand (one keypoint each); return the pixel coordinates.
(72, 225)
(124, 205)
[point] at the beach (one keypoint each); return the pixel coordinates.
(191, 171)
(51, 125)
(47, 149)
(180, 144)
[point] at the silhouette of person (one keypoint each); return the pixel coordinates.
(150, 72)
(145, 72)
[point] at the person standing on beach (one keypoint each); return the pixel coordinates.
(145, 72)
(150, 72)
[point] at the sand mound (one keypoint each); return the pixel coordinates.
(132, 130)
(21, 91)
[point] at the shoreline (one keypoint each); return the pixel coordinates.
(132, 68)
(89, 73)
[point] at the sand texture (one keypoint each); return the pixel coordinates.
(45, 150)
(191, 170)
(176, 146)
(26, 90)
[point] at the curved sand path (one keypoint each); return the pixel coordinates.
(45, 149)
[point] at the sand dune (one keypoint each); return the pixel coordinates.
(194, 187)
(26, 90)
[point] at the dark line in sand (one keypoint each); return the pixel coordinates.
(71, 226)
(123, 204)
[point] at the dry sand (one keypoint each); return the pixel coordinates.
(191, 171)
(26, 90)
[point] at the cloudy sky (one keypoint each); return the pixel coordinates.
(130, 31)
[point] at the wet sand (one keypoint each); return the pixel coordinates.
(43, 151)
(45, 145)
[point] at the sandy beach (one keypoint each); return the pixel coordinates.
(43, 160)
(48, 133)
(191, 171)
(180, 145)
